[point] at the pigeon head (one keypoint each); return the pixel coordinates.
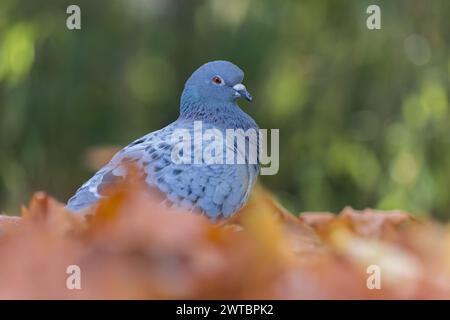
(216, 82)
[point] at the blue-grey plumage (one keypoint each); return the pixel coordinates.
(217, 190)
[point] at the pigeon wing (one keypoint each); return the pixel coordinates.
(213, 189)
(94, 189)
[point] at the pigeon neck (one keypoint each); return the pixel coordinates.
(216, 114)
(222, 114)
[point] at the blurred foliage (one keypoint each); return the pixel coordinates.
(128, 247)
(263, 252)
(363, 115)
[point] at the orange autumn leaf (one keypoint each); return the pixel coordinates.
(128, 246)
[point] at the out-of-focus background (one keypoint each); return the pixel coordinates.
(363, 115)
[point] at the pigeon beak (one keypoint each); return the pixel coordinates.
(241, 91)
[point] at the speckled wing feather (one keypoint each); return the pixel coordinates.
(215, 189)
(92, 190)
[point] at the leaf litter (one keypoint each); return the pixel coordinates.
(129, 247)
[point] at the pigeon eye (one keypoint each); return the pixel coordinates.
(217, 80)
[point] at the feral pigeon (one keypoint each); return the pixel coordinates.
(217, 189)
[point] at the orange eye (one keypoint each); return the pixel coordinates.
(217, 80)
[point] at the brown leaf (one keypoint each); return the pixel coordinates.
(129, 246)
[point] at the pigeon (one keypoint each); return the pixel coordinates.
(213, 188)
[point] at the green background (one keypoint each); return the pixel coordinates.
(363, 115)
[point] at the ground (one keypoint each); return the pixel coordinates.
(126, 248)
